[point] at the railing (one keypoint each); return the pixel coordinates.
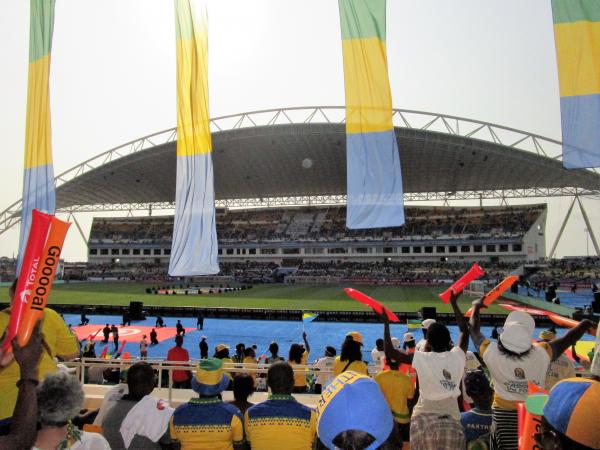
(163, 366)
(169, 366)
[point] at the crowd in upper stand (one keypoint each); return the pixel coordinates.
(325, 224)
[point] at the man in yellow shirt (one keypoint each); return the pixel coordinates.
(206, 422)
(280, 422)
(398, 389)
(57, 342)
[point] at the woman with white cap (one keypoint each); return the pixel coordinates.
(435, 421)
(513, 362)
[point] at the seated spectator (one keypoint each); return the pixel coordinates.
(398, 389)
(478, 421)
(250, 363)
(324, 364)
(243, 387)
(408, 342)
(181, 378)
(60, 398)
(89, 350)
(353, 414)
(239, 353)
(298, 356)
(111, 396)
(206, 422)
(58, 342)
(351, 356)
(151, 435)
(280, 422)
(570, 416)
(435, 420)
(222, 352)
(274, 351)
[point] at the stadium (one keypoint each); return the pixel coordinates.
(322, 325)
(280, 193)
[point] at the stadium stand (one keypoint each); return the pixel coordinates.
(292, 236)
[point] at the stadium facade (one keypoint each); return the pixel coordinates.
(292, 236)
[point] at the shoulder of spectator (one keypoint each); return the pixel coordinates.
(546, 346)
(483, 346)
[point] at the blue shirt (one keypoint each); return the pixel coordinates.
(476, 423)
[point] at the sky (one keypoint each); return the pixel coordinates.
(113, 75)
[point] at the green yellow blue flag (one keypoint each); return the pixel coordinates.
(413, 324)
(308, 317)
(38, 177)
(577, 38)
(194, 247)
(374, 177)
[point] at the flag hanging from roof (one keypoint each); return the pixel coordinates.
(38, 177)
(308, 317)
(577, 38)
(194, 247)
(374, 177)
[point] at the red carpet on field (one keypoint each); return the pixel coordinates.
(129, 333)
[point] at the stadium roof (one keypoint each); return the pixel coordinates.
(297, 156)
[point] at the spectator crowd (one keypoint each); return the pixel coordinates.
(426, 392)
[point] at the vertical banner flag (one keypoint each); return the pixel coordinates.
(577, 38)
(194, 248)
(38, 176)
(374, 177)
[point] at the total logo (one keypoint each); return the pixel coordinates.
(25, 296)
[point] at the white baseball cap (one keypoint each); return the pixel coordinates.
(409, 337)
(521, 318)
(516, 337)
(396, 342)
(427, 322)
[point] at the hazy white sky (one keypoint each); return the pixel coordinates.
(113, 74)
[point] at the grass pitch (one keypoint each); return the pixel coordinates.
(299, 297)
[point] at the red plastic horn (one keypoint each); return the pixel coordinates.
(458, 286)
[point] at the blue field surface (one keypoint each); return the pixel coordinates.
(262, 333)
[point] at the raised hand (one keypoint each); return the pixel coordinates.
(28, 356)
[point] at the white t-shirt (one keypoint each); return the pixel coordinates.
(559, 369)
(89, 441)
(112, 396)
(420, 347)
(510, 376)
(377, 357)
(471, 361)
(439, 373)
(325, 363)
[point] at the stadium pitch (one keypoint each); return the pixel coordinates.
(290, 297)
